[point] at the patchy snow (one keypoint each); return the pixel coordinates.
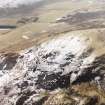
(89, 59)
(54, 64)
(61, 54)
(64, 45)
(90, 1)
(8, 77)
(58, 19)
(25, 37)
(55, 52)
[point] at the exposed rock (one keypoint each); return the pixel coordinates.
(60, 98)
(27, 20)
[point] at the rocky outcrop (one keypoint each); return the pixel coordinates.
(84, 19)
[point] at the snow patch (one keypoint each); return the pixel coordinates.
(25, 37)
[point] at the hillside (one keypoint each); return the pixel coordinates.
(55, 55)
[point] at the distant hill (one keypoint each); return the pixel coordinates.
(16, 3)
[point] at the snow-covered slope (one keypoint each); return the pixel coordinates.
(16, 3)
(57, 63)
